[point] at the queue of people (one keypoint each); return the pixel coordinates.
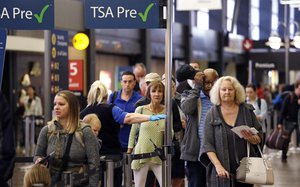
(208, 151)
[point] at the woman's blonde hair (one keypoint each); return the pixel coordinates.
(74, 109)
(214, 93)
(97, 94)
(37, 174)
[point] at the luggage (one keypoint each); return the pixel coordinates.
(277, 139)
(221, 181)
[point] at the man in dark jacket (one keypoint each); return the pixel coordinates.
(7, 147)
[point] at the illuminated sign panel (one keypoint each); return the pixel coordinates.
(29, 14)
(122, 14)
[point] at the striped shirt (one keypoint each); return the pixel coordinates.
(205, 107)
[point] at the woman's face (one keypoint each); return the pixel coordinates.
(156, 94)
(250, 93)
(61, 107)
(30, 91)
(227, 92)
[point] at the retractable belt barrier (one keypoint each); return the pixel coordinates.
(30, 122)
(69, 178)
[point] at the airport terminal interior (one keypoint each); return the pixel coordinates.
(255, 41)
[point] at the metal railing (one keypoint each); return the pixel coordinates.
(30, 123)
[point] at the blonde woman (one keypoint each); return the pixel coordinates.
(222, 149)
(83, 153)
(111, 117)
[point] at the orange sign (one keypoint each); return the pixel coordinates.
(76, 75)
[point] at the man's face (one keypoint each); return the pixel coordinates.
(195, 66)
(209, 81)
(139, 73)
(127, 83)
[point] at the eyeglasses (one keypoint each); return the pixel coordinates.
(209, 83)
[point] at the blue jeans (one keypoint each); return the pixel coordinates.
(196, 174)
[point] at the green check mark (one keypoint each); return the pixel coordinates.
(144, 15)
(40, 17)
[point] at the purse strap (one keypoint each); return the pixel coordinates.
(261, 154)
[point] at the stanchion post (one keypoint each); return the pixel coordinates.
(127, 170)
(27, 144)
(109, 173)
(32, 135)
(67, 179)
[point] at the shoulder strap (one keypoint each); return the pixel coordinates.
(51, 129)
(115, 94)
(259, 103)
(66, 156)
(79, 133)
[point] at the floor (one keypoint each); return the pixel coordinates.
(285, 174)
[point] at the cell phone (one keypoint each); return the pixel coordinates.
(45, 159)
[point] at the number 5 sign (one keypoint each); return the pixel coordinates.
(76, 75)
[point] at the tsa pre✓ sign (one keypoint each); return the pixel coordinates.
(122, 14)
(27, 14)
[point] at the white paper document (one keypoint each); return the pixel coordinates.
(237, 130)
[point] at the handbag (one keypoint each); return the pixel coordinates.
(277, 139)
(255, 170)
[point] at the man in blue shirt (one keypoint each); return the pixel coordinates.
(125, 99)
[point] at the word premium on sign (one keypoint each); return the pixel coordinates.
(104, 12)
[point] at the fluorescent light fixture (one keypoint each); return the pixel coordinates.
(296, 40)
(288, 2)
(274, 42)
(186, 5)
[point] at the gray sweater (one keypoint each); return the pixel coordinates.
(191, 107)
(79, 155)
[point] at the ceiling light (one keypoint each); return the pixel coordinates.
(274, 41)
(296, 41)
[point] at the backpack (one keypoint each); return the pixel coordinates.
(115, 94)
(78, 133)
(277, 102)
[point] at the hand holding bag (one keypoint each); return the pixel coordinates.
(255, 170)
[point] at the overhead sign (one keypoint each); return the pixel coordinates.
(268, 65)
(2, 52)
(27, 14)
(59, 61)
(247, 44)
(122, 14)
(198, 4)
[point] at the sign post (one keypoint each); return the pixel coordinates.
(3, 36)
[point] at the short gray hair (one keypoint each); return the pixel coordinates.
(214, 93)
